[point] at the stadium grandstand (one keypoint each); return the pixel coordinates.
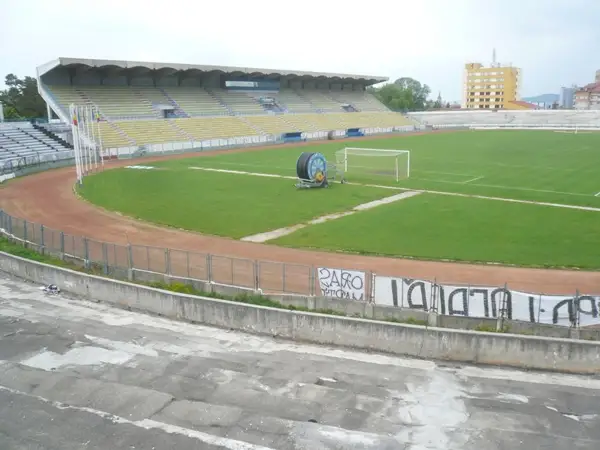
(142, 104)
(556, 119)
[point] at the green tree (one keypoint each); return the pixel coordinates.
(404, 94)
(10, 113)
(21, 98)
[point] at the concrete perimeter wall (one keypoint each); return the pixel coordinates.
(528, 352)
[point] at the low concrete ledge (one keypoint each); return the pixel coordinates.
(525, 352)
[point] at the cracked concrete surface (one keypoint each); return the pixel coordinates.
(76, 374)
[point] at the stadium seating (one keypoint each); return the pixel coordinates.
(271, 124)
(196, 101)
(154, 95)
(238, 102)
(214, 127)
(65, 95)
(289, 99)
(320, 100)
(153, 131)
(374, 120)
(113, 137)
(118, 102)
(505, 117)
(131, 115)
(22, 140)
(362, 101)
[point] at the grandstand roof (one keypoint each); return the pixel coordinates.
(139, 67)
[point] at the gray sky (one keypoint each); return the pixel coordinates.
(555, 42)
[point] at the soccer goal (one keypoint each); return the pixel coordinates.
(372, 161)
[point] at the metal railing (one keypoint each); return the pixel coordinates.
(153, 263)
(459, 305)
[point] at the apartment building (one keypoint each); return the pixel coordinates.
(494, 87)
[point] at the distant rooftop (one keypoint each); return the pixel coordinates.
(140, 68)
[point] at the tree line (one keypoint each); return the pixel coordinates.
(406, 94)
(21, 99)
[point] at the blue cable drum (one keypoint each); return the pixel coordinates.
(311, 167)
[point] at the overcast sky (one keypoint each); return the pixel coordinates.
(555, 42)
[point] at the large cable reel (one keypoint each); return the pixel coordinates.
(311, 169)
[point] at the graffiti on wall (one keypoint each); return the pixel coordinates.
(487, 302)
(340, 283)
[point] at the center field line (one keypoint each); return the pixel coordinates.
(453, 194)
(274, 234)
(473, 179)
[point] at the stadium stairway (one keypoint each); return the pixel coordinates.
(175, 125)
(179, 112)
(113, 136)
(146, 101)
(220, 100)
(53, 136)
(254, 126)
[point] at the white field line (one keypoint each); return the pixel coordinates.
(472, 179)
(270, 235)
(147, 424)
(484, 197)
(446, 173)
(454, 194)
(547, 191)
(241, 172)
(597, 195)
(501, 164)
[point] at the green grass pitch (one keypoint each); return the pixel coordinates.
(540, 166)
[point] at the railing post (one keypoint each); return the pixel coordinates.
(574, 330)
(10, 225)
(62, 245)
(42, 240)
(209, 267)
(167, 261)
(86, 253)
(313, 281)
(129, 262)
(187, 263)
(283, 277)
(105, 258)
(502, 313)
(25, 233)
(256, 273)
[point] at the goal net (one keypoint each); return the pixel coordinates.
(370, 161)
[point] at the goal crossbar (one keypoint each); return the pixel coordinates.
(342, 157)
(386, 152)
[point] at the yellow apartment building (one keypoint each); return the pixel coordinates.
(494, 87)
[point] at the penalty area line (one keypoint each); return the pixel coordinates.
(472, 179)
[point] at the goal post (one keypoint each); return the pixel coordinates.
(372, 161)
(87, 139)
